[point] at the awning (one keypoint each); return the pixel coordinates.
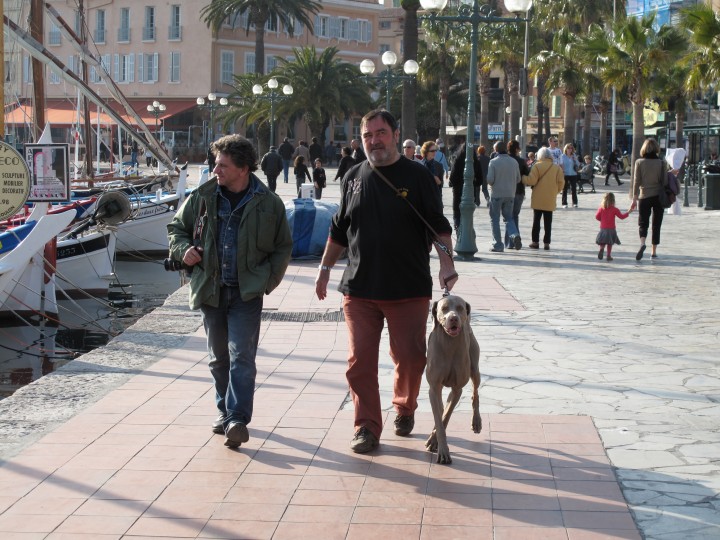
(63, 112)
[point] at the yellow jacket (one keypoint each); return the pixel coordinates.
(548, 180)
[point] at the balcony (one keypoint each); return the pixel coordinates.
(175, 33)
(99, 35)
(123, 35)
(149, 33)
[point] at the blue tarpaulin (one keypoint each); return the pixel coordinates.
(309, 221)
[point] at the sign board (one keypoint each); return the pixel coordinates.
(14, 181)
(50, 172)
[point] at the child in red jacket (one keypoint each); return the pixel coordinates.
(606, 215)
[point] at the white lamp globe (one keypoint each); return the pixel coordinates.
(287, 90)
(367, 67)
(257, 89)
(433, 5)
(272, 83)
(411, 67)
(389, 58)
(517, 6)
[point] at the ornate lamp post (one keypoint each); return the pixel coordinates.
(476, 15)
(272, 97)
(391, 79)
(157, 109)
(211, 99)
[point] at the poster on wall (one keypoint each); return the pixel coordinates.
(49, 172)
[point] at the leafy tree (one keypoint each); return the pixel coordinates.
(288, 12)
(628, 55)
(325, 87)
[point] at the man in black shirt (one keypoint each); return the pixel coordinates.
(388, 273)
(286, 151)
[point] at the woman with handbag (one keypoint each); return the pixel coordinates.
(546, 180)
(649, 180)
(571, 166)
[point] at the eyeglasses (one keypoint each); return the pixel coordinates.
(433, 150)
(409, 147)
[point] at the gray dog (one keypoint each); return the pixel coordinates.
(453, 358)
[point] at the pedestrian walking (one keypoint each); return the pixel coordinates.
(571, 166)
(606, 215)
(286, 153)
(272, 164)
(513, 148)
(503, 176)
(484, 161)
(233, 233)
(429, 151)
(555, 151)
(302, 150)
(649, 177)
(346, 163)
(457, 181)
(301, 172)
(315, 151)
(547, 181)
(381, 231)
(612, 167)
(319, 180)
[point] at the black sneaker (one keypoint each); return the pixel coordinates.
(236, 434)
(517, 242)
(404, 425)
(363, 441)
(217, 425)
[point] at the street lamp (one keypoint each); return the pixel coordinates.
(272, 97)
(211, 99)
(157, 109)
(389, 59)
(524, 105)
(476, 15)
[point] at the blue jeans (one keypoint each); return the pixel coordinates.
(517, 206)
(286, 168)
(502, 206)
(233, 331)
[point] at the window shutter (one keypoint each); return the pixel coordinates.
(116, 68)
(141, 67)
(131, 67)
(156, 65)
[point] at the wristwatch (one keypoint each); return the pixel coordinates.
(325, 267)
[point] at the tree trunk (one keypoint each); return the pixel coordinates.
(638, 131)
(587, 128)
(679, 125)
(409, 93)
(569, 120)
(513, 80)
(260, 50)
(484, 82)
(602, 138)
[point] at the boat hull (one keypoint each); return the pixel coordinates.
(85, 264)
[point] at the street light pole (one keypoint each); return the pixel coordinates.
(156, 108)
(211, 99)
(272, 97)
(389, 59)
(476, 15)
(524, 87)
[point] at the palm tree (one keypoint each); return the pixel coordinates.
(325, 88)
(566, 73)
(287, 12)
(672, 87)
(507, 47)
(629, 55)
(410, 50)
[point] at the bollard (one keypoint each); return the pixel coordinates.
(712, 192)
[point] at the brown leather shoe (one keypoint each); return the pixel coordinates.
(363, 441)
(534, 245)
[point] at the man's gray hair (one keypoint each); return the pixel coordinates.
(409, 142)
(544, 153)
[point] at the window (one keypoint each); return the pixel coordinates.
(385, 25)
(124, 30)
(27, 70)
(556, 106)
(9, 71)
(532, 106)
(322, 26)
(343, 29)
(100, 26)
(339, 133)
(296, 26)
(124, 68)
(98, 75)
(356, 128)
(54, 77)
(148, 67)
(149, 28)
(78, 22)
(365, 32)
(271, 63)
(175, 31)
(249, 63)
(54, 37)
(272, 24)
(174, 67)
(227, 66)
(384, 48)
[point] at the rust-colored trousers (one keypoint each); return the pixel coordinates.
(407, 324)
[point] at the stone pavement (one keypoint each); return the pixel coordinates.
(599, 399)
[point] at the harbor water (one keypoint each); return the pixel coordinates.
(28, 352)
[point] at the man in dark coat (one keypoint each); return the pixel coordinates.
(271, 165)
(286, 151)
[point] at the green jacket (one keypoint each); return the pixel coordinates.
(264, 243)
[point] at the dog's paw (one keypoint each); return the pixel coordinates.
(443, 456)
(431, 443)
(476, 423)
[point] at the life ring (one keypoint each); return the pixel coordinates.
(50, 259)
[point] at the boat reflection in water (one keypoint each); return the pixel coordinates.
(30, 349)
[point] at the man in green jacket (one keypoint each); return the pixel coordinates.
(232, 233)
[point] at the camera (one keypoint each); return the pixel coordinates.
(172, 265)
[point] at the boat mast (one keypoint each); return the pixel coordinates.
(87, 130)
(37, 16)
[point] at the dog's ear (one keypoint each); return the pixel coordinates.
(434, 312)
(467, 308)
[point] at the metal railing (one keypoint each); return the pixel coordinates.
(149, 33)
(175, 32)
(123, 35)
